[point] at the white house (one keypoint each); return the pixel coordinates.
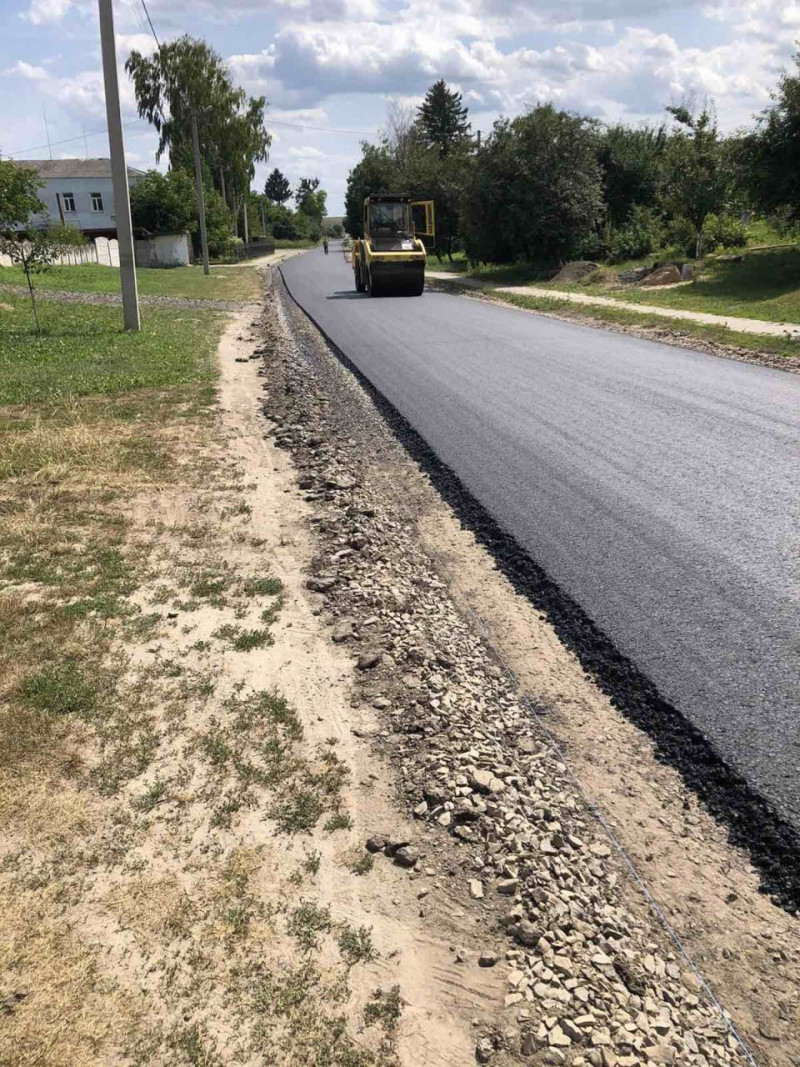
(77, 192)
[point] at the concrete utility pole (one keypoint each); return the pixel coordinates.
(119, 171)
(198, 184)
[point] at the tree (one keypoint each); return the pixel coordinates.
(535, 188)
(164, 203)
(375, 172)
(277, 188)
(443, 118)
(186, 81)
(19, 194)
(38, 252)
(630, 161)
(772, 153)
(697, 182)
(310, 200)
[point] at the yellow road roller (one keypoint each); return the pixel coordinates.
(389, 260)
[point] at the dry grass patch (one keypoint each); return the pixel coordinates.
(60, 1011)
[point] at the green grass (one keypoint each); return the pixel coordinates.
(766, 285)
(223, 283)
(84, 351)
(777, 346)
(279, 243)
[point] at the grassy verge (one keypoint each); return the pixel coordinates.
(223, 283)
(765, 285)
(146, 915)
(782, 348)
(279, 243)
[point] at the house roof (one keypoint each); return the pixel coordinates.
(72, 168)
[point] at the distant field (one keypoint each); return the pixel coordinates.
(223, 283)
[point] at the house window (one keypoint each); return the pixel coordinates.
(69, 201)
(97, 201)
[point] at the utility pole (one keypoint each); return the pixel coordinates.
(119, 171)
(198, 184)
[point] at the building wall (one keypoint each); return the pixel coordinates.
(163, 250)
(83, 217)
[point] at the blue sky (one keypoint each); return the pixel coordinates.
(331, 68)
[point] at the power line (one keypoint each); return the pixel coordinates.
(152, 27)
(316, 129)
(68, 140)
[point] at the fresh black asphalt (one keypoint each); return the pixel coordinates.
(657, 486)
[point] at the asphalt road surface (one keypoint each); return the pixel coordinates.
(659, 487)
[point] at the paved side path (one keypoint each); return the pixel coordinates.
(733, 322)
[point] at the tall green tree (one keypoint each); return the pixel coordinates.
(310, 200)
(630, 160)
(277, 187)
(442, 118)
(376, 172)
(771, 155)
(187, 78)
(19, 194)
(535, 189)
(697, 180)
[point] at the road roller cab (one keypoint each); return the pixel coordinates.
(389, 260)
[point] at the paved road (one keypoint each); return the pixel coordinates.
(659, 487)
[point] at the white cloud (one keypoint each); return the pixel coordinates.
(21, 69)
(305, 154)
(42, 11)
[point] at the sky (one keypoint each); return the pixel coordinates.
(329, 69)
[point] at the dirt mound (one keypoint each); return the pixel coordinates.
(668, 274)
(576, 272)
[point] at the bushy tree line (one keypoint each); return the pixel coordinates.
(551, 185)
(186, 82)
(302, 224)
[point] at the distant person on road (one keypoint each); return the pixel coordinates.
(325, 244)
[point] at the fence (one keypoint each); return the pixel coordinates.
(101, 250)
(262, 247)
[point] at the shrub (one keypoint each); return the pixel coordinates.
(164, 203)
(642, 234)
(723, 231)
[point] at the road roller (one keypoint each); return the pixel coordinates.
(389, 260)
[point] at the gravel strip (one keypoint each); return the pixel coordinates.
(589, 980)
(71, 297)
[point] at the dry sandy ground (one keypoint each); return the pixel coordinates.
(213, 902)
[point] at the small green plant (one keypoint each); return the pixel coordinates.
(156, 792)
(384, 1009)
(340, 821)
(270, 615)
(355, 944)
(362, 864)
(262, 586)
(299, 812)
(243, 640)
(61, 690)
(209, 586)
(307, 922)
(247, 640)
(312, 861)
